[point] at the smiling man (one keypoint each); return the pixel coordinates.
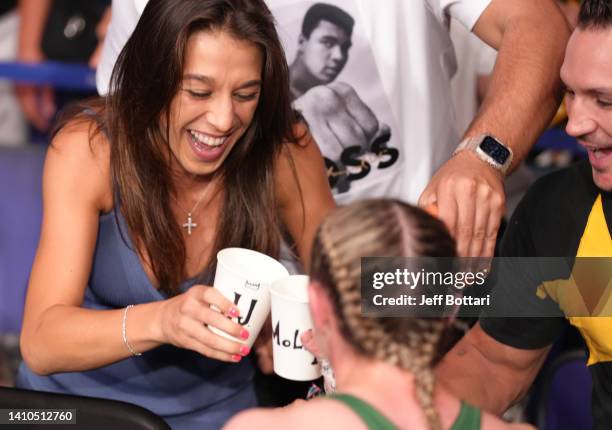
(567, 213)
(587, 73)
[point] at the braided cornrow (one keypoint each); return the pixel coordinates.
(382, 228)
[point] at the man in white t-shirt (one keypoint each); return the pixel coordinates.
(401, 62)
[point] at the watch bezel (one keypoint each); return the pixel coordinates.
(475, 145)
(494, 153)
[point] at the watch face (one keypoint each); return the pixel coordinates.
(495, 150)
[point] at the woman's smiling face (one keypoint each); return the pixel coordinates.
(216, 100)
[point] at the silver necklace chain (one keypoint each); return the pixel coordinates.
(190, 225)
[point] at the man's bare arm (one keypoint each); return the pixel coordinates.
(523, 96)
(525, 87)
(487, 373)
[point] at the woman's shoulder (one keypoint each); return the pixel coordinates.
(81, 128)
(320, 412)
(458, 415)
(300, 161)
(79, 158)
(302, 190)
(300, 144)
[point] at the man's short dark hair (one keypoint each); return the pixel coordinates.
(327, 12)
(595, 14)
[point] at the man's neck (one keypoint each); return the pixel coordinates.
(301, 79)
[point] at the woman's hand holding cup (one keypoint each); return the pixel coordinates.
(184, 321)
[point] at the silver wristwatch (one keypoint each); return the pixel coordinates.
(488, 149)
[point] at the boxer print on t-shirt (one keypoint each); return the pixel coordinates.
(336, 86)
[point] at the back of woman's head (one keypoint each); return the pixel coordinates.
(381, 228)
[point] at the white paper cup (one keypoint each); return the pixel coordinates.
(291, 318)
(244, 276)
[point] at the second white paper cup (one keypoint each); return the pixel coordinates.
(244, 276)
(291, 318)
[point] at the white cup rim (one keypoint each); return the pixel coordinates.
(281, 294)
(273, 262)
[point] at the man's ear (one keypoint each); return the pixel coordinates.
(320, 305)
(301, 42)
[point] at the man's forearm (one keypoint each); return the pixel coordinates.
(487, 373)
(33, 16)
(461, 374)
(525, 89)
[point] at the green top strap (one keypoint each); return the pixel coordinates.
(468, 419)
(370, 416)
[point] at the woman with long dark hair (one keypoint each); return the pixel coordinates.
(384, 367)
(195, 149)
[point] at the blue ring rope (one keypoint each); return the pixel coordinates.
(67, 76)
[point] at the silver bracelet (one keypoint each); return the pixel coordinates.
(127, 344)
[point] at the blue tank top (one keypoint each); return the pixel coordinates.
(183, 387)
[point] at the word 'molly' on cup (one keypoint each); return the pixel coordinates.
(291, 318)
(244, 276)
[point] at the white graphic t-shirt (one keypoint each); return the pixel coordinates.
(371, 77)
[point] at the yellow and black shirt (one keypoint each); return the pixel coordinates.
(564, 214)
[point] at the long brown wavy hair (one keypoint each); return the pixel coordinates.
(389, 228)
(145, 80)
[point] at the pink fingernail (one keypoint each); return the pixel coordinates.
(236, 358)
(233, 312)
(244, 334)
(244, 350)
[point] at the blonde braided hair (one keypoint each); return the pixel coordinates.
(390, 228)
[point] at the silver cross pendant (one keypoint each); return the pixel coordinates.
(189, 225)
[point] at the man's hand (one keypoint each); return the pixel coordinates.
(37, 104)
(471, 202)
(338, 119)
